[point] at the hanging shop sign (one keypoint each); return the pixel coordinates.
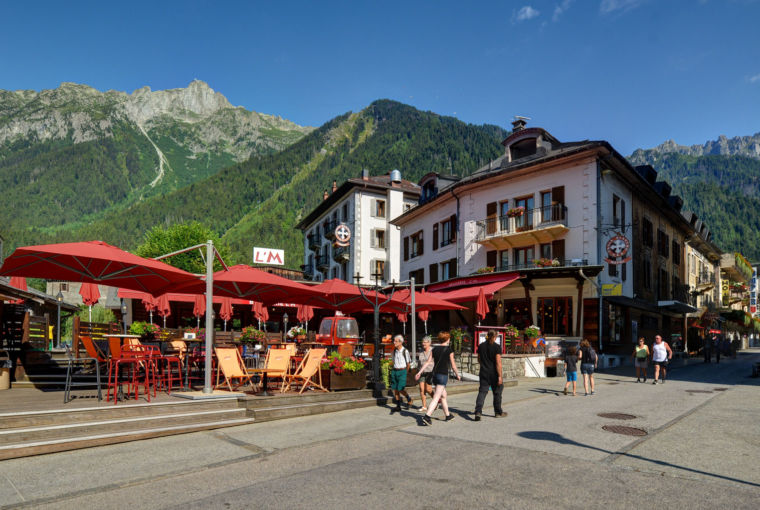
(725, 291)
(617, 250)
(342, 235)
(753, 293)
(612, 289)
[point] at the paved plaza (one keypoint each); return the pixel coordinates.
(702, 450)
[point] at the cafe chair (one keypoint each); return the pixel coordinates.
(307, 369)
(79, 366)
(276, 364)
(230, 364)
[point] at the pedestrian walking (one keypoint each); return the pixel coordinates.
(640, 358)
(707, 343)
(401, 363)
(442, 360)
(716, 347)
(489, 358)
(426, 379)
(588, 360)
(571, 368)
(661, 354)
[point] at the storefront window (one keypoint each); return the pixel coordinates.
(555, 315)
(516, 313)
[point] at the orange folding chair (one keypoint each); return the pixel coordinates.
(230, 364)
(309, 367)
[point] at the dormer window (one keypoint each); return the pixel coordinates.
(522, 148)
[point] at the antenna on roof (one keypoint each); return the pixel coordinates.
(519, 123)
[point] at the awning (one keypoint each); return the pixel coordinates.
(677, 306)
(465, 294)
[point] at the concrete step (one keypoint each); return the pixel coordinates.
(66, 416)
(11, 451)
(73, 431)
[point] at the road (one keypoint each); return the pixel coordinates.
(701, 450)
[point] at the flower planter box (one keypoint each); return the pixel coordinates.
(344, 381)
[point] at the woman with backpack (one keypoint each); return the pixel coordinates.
(588, 359)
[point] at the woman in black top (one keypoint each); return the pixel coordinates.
(442, 360)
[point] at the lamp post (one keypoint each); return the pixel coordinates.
(285, 328)
(378, 387)
(124, 314)
(59, 299)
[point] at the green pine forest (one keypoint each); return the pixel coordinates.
(97, 190)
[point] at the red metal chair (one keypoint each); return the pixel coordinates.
(133, 358)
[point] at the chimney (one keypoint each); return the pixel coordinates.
(365, 174)
(519, 123)
(325, 195)
(395, 178)
(335, 186)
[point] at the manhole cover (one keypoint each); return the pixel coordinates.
(617, 416)
(698, 391)
(626, 431)
(720, 389)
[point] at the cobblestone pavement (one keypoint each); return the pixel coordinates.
(701, 450)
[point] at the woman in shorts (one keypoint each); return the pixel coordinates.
(426, 379)
(441, 361)
(588, 365)
(640, 357)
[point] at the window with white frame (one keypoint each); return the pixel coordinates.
(378, 238)
(378, 268)
(379, 209)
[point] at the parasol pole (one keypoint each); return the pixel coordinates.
(164, 321)
(209, 314)
(414, 320)
(90, 313)
(151, 316)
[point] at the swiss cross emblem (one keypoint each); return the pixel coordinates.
(617, 249)
(342, 235)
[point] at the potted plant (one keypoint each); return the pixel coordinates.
(146, 330)
(251, 336)
(344, 372)
(487, 269)
(457, 336)
(511, 332)
(296, 333)
(516, 211)
(532, 331)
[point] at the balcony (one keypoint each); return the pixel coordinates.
(323, 263)
(736, 267)
(549, 264)
(540, 225)
(329, 228)
(314, 242)
(705, 279)
(309, 271)
(341, 254)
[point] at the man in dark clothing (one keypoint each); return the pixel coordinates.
(489, 357)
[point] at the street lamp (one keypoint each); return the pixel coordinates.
(124, 314)
(285, 328)
(59, 299)
(378, 387)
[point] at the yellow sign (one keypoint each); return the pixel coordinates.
(612, 289)
(725, 291)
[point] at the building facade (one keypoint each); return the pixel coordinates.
(365, 205)
(566, 219)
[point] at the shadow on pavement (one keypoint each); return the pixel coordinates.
(540, 435)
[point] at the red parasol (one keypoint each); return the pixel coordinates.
(401, 317)
(423, 315)
(226, 311)
(246, 282)
(260, 311)
(481, 308)
(94, 262)
(19, 283)
(339, 295)
(199, 305)
(90, 293)
(424, 302)
(305, 313)
(163, 307)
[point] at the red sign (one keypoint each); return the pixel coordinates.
(342, 235)
(617, 249)
(268, 256)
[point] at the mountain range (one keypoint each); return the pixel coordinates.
(76, 164)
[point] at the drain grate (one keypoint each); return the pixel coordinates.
(720, 389)
(626, 431)
(617, 416)
(698, 391)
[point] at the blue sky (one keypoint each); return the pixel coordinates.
(634, 72)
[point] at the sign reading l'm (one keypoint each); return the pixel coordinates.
(268, 256)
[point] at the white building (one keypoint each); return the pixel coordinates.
(366, 205)
(543, 219)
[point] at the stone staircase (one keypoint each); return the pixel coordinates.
(37, 432)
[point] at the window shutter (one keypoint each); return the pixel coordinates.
(453, 268)
(491, 258)
(558, 249)
(372, 238)
(435, 236)
(406, 248)
(491, 217)
(454, 228)
(422, 244)
(433, 273)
